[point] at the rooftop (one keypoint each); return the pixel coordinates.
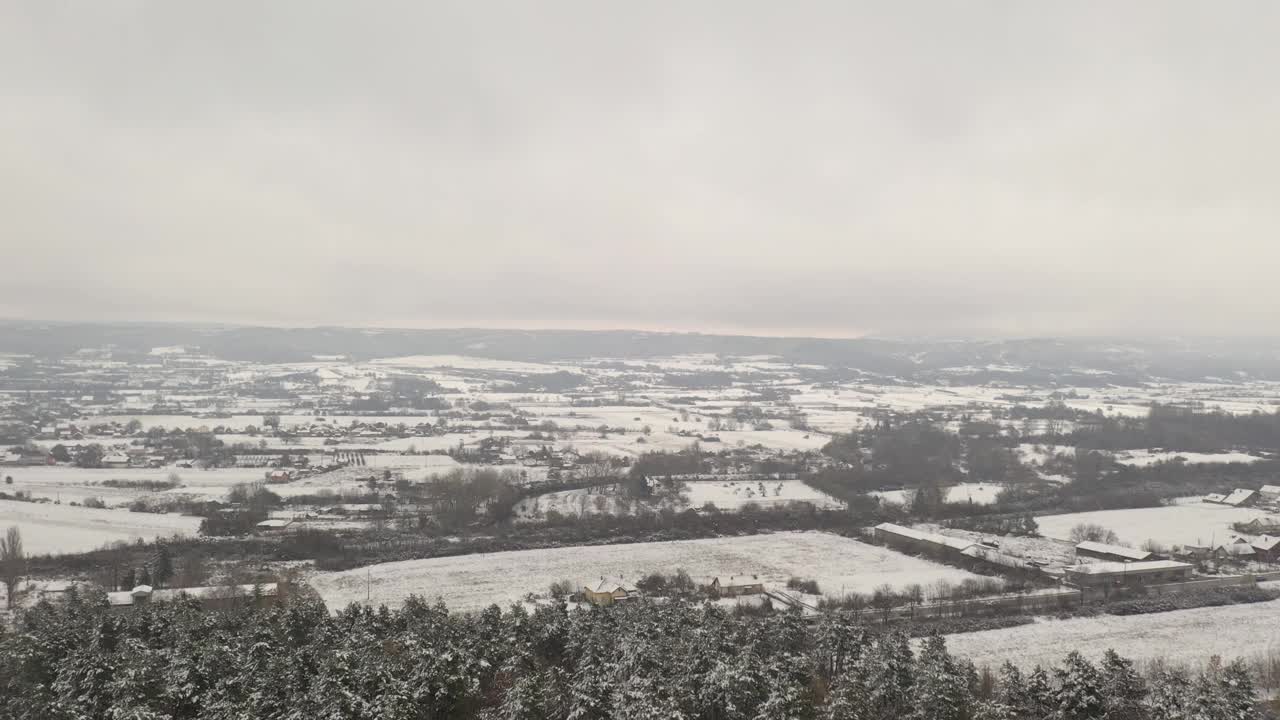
(1117, 568)
(922, 536)
(1118, 550)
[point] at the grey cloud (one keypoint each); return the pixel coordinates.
(836, 168)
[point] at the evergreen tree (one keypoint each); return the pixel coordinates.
(1123, 688)
(163, 564)
(942, 689)
(1169, 696)
(1079, 692)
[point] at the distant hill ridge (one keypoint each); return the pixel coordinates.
(1068, 361)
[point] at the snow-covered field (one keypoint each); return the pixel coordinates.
(1180, 636)
(49, 528)
(1142, 458)
(73, 484)
(1193, 523)
(472, 581)
(732, 495)
(976, 493)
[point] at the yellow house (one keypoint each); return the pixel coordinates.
(608, 592)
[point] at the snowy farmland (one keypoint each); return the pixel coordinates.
(726, 495)
(468, 582)
(48, 528)
(1143, 458)
(1192, 523)
(73, 484)
(976, 493)
(1230, 632)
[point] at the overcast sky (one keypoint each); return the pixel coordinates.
(892, 168)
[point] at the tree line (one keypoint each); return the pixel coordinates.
(640, 660)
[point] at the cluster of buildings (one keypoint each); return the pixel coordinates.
(608, 591)
(1265, 496)
(1098, 565)
(214, 597)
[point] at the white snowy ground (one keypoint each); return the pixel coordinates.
(474, 581)
(1191, 523)
(1142, 458)
(976, 493)
(1180, 636)
(49, 528)
(73, 484)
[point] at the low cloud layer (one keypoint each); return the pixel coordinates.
(939, 168)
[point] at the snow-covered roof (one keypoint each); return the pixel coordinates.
(1117, 550)
(1108, 568)
(1269, 489)
(735, 580)
(1236, 548)
(1239, 496)
(1266, 542)
(922, 536)
(1215, 497)
(995, 557)
(609, 585)
(275, 523)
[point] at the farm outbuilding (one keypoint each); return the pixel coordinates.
(274, 526)
(1116, 553)
(1126, 574)
(912, 540)
(1240, 497)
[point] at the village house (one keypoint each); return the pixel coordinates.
(733, 586)
(1270, 493)
(608, 591)
(1267, 548)
(1238, 550)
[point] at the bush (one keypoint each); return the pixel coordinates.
(809, 587)
(1198, 598)
(94, 502)
(1093, 533)
(561, 589)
